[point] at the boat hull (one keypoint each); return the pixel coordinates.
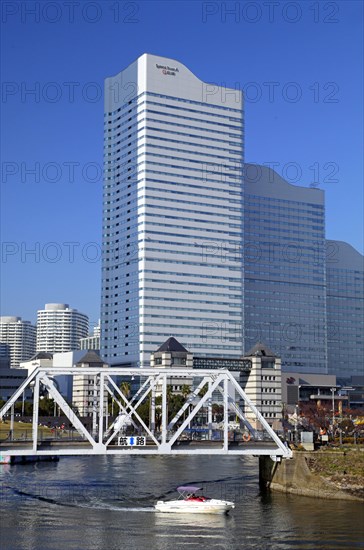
(212, 506)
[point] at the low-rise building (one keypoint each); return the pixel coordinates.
(258, 373)
(92, 341)
(85, 396)
(304, 388)
(262, 385)
(169, 355)
(67, 360)
(10, 380)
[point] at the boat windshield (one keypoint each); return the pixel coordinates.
(188, 488)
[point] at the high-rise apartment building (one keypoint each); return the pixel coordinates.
(284, 257)
(172, 218)
(345, 309)
(17, 340)
(59, 328)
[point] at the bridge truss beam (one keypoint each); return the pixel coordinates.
(172, 437)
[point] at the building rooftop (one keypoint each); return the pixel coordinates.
(41, 355)
(260, 350)
(171, 345)
(91, 358)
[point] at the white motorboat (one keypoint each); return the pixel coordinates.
(189, 503)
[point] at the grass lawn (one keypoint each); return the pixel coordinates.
(333, 463)
(21, 429)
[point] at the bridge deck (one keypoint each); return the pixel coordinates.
(19, 448)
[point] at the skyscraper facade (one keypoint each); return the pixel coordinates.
(17, 340)
(202, 247)
(345, 309)
(172, 222)
(284, 257)
(59, 328)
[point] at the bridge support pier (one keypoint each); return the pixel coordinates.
(294, 476)
(288, 476)
(267, 471)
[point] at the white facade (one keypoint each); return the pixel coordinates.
(263, 385)
(85, 390)
(38, 360)
(59, 328)
(170, 355)
(92, 341)
(172, 221)
(17, 339)
(65, 360)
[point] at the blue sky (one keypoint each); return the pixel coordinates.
(299, 63)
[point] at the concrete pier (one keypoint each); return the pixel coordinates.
(294, 476)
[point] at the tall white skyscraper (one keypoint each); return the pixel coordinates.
(172, 219)
(17, 340)
(59, 328)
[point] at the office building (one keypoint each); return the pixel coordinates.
(17, 340)
(59, 328)
(92, 341)
(284, 257)
(206, 249)
(10, 380)
(345, 310)
(311, 388)
(172, 222)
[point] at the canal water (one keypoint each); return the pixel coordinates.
(106, 503)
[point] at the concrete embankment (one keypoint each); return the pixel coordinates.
(320, 474)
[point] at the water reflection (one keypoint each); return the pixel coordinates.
(194, 522)
(4, 469)
(98, 502)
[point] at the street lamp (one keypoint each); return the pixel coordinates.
(333, 408)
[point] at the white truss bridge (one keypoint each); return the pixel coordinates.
(165, 437)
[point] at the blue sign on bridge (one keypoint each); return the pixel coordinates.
(132, 441)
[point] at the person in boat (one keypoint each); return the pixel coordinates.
(195, 498)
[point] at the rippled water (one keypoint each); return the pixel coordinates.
(107, 503)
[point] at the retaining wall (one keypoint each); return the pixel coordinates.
(294, 476)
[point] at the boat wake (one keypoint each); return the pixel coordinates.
(112, 507)
(94, 505)
(42, 498)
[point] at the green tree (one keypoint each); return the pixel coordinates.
(203, 390)
(185, 390)
(144, 411)
(125, 389)
(46, 406)
(175, 403)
